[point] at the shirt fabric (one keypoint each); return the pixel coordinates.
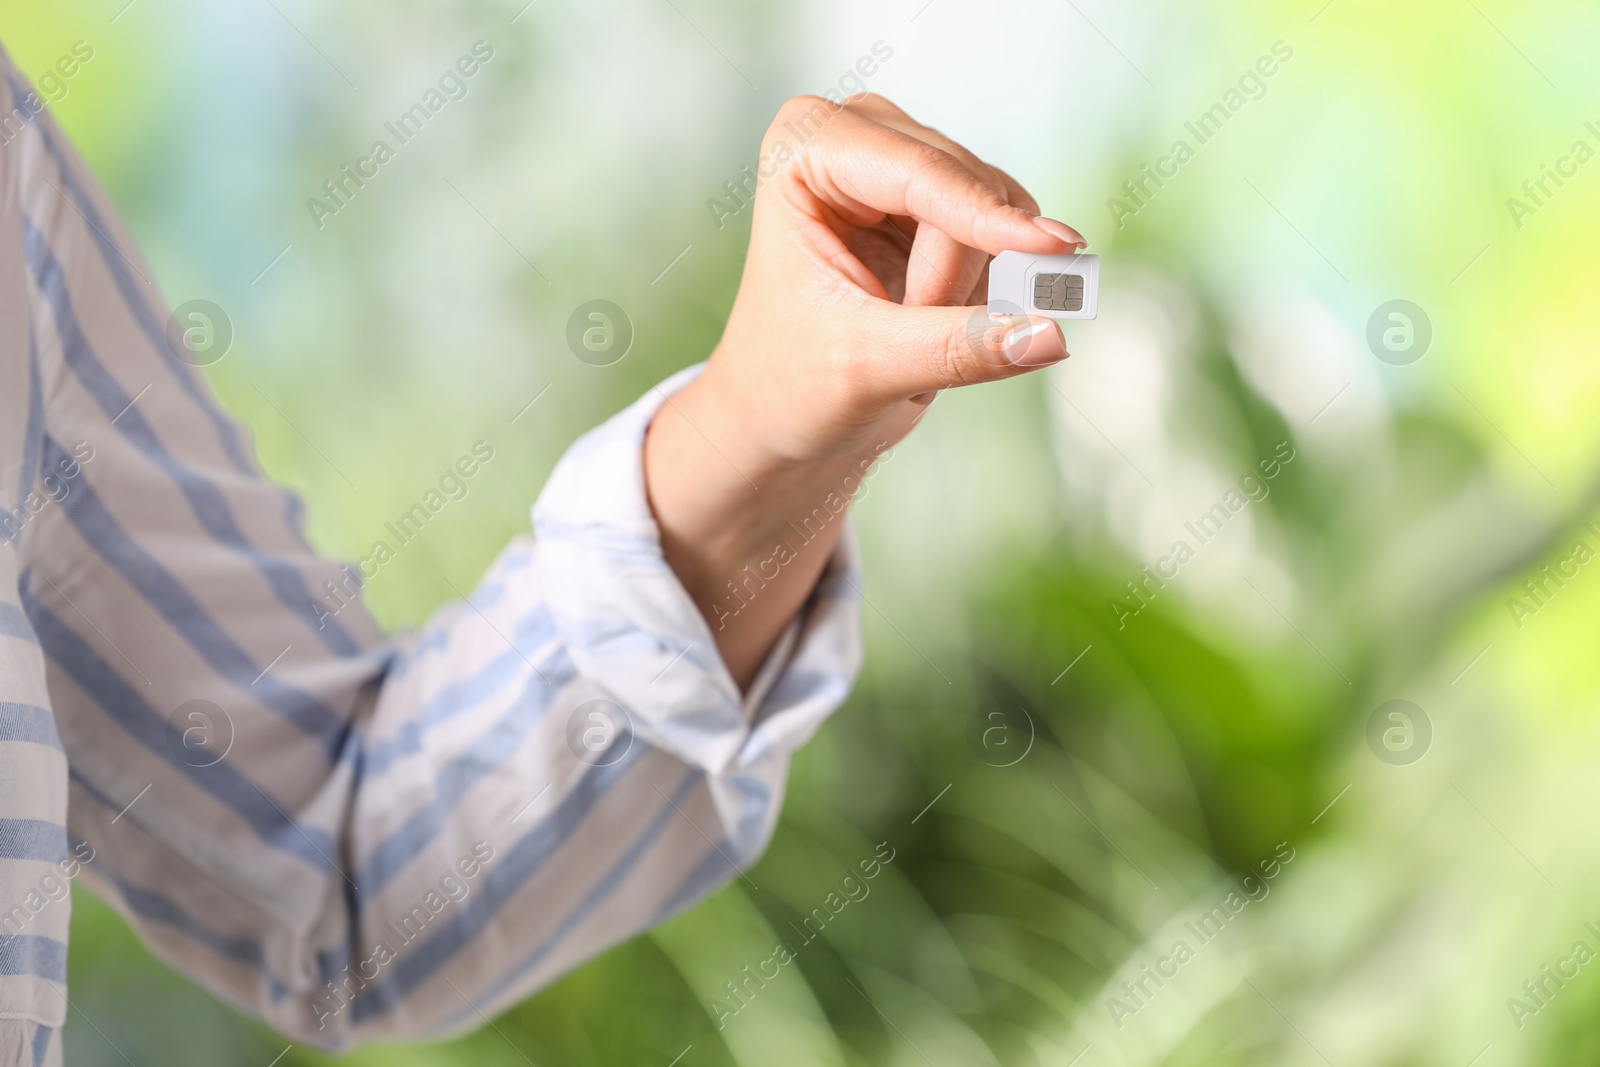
(353, 838)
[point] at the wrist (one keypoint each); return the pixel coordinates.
(722, 416)
(746, 530)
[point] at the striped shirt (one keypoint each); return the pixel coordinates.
(352, 837)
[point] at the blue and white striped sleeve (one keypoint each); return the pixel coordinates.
(351, 837)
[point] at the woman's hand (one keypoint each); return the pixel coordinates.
(871, 236)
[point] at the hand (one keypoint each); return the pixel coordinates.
(869, 239)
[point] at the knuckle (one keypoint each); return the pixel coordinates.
(1019, 197)
(800, 120)
(869, 101)
(805, 102)
(850, 371)
(852, 366)
(984, 173)
(1016, 193)
(988, 176)
(931, 166)
(956, 359)
(807, 111)
(937, 175)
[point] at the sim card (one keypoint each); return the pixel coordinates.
(1058, 287)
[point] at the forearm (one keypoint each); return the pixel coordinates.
(746, 533)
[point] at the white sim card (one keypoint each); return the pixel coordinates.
(1058, 287)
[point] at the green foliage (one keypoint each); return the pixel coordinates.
(1186, 742)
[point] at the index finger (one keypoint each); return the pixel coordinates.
(865, 170)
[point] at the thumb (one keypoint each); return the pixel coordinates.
(920, 349)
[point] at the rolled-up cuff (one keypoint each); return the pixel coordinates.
(632, 628)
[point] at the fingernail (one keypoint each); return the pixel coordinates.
(1060, 231)
(1034, 344)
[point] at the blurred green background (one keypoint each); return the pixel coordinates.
(1098, 779)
